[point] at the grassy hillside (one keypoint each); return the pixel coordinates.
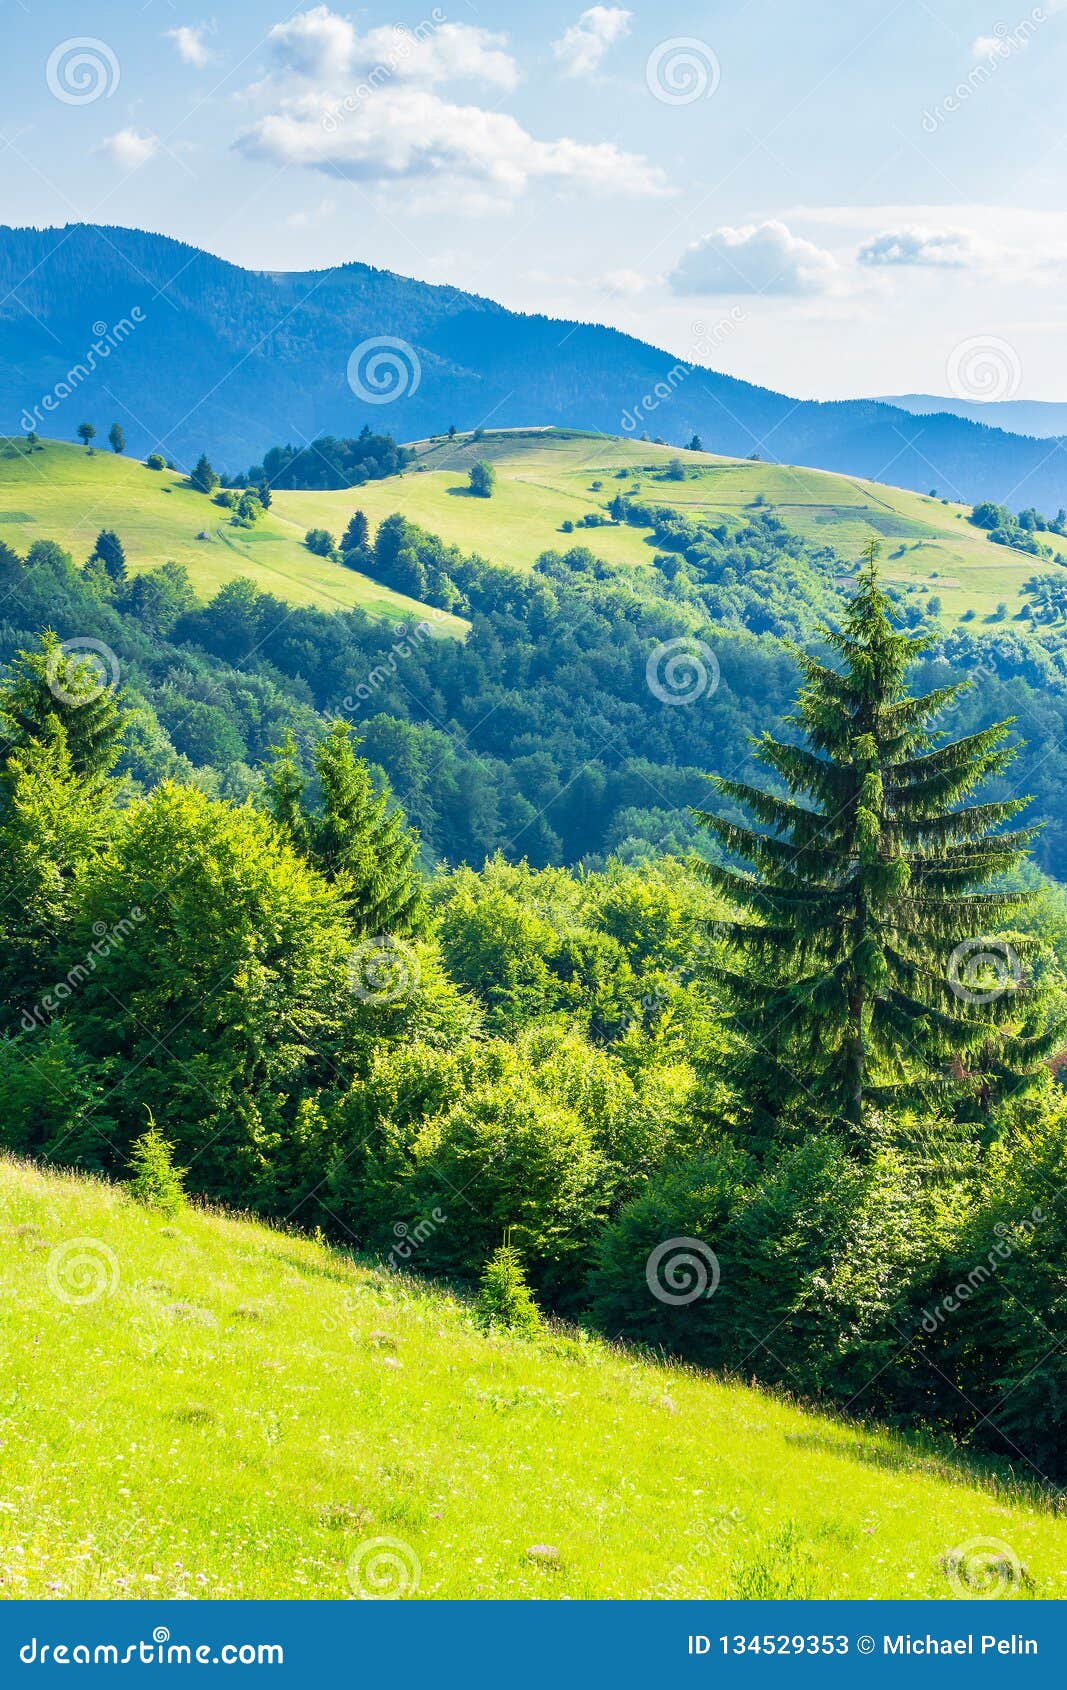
(62, 493)
(544, 477)
(209, 1407)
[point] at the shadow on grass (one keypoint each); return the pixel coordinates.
(911, 1457)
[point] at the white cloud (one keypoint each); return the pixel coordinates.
(325, 48)
(128, 148)
(757, 258)
(580, 48)
(989, 47)
(941, 249)
(410, 135)
(316, 43)
(625, 284)
(189, 40)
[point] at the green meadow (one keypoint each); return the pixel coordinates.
(544, 478)
(66, 494)
(204, 1406)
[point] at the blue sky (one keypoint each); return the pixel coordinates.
(830, 198)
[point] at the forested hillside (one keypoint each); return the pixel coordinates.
(216, 925)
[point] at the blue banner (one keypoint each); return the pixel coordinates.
(537, 1645)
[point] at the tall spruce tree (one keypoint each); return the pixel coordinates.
(867, 973)
(354, 836)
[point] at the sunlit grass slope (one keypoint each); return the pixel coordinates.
(208, 1407)
(544, 476)
(63, 493)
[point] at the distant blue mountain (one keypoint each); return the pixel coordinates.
(1044, 419)
(194, 354)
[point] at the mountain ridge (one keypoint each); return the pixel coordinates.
(232, 360)
(1040, 419)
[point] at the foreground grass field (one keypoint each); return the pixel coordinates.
(544, 476)
(207, 1407)
(62, 493)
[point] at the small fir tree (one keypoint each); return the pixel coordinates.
(203, 476)
(109, 549)
(53, 686)
(155, 1182)
(505, 1301)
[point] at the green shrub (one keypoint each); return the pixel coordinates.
(51, 1098)
(505, 1156)
(155, 460)
(990, 1317)
(668, 1240)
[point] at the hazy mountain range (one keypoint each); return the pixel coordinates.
(190, 353)
(1042, 418)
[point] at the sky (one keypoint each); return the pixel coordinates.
(831, 199)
